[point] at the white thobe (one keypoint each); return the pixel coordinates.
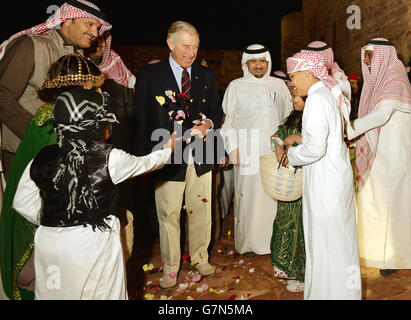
(384, 203)
(254, 109)
(76, 263)
(332, 262)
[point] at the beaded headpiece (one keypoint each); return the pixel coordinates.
(78, 79)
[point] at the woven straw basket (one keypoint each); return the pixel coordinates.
(127, 233)
(280, 183)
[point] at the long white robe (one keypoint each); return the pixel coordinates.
(384, 202)
(332, 261)
(76, 263)
(254, 109)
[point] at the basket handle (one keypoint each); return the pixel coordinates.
(281, 161)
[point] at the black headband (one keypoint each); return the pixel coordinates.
(380, 43)
(82, 6)
(317, 49)
(255, 51)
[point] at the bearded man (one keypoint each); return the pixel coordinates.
(254, 105)
(383, 156)
(25, 60)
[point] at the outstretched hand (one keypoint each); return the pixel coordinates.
(171, 142)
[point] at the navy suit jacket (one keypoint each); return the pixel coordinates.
(153, 81)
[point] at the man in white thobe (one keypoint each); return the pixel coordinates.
(332, 261)
(254, 105)
(383, 157)
(342, 91)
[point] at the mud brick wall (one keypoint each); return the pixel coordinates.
(327, 21)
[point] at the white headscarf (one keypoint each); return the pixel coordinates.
(261, 52)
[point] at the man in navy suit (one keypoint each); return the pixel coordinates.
(178, 94)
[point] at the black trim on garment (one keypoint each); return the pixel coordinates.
(255, 51)
(82, 6)
(379, 43)
(317, 49)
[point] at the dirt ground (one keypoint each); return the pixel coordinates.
(240, 278)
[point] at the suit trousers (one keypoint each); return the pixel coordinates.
(169, 198)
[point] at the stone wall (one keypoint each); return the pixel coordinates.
(225, 63)
(327, 21)
(292, 35)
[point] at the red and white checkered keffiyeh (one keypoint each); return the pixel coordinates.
(114, 68)
(327, 54)
(314, 63)
(65, 12)
(387, 80)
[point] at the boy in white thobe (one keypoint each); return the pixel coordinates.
(332, 262)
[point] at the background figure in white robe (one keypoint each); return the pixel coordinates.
(254, 106)
(77, 248)
(383, 159)
(341, 92)
(332, 261)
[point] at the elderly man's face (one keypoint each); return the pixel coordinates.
(82, 31)
(258, 67)
(368, 58)
(184, 49)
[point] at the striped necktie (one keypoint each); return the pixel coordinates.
(186, 86)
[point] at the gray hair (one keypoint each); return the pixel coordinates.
(178, 26)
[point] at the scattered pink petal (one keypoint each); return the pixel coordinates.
(196, 278)
(173, 275)
(230, 253)
(183, 286)
(241, 262)
(249, 263)
(204, 286)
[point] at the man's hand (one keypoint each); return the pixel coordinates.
(202, 128)
(235, 157)
(224, 162)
